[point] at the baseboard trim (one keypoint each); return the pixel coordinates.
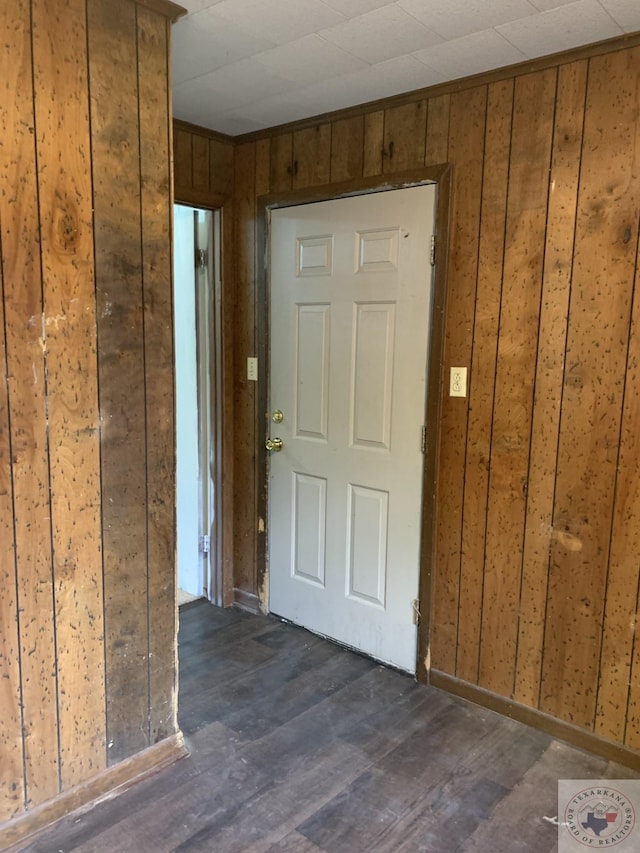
(105, 786)
(246, 600)
(537, 719)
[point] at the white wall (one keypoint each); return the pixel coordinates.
(189, 560)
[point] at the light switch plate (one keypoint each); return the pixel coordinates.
(458, 382)
(252, 369)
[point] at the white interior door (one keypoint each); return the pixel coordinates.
(350, 323)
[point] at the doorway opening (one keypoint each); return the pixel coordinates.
(198, 372)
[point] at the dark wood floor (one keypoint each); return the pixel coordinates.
(299, 745)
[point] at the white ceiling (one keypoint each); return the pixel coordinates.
(242, 65)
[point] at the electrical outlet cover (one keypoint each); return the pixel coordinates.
(458, 382)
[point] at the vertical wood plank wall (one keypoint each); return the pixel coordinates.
(537, 564)
(87, 607)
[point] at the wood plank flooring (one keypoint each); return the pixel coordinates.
(299, 745)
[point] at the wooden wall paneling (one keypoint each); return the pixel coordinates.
(483, 369)
(532, 130)
(312, 156)
(29, 459)
(627, 506)
(466, 153)
(155, 130)
(116, 180)
(53, 733)
(201, 158)
(373, 143)
(221, 167)
(63, 150)
(203, 166)
(347, 149)
(618, 701)
(12, 775)
(245, 414)
(603, 274)
(437, 139)
(554, 309)
(263, 167)
(281, 163)
(182, 161)
(405, 129)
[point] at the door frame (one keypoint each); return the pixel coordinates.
(221, 553)
(440, 176)
(209, 381)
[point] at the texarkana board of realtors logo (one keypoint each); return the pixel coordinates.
(598, 815)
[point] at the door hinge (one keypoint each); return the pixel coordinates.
(415, 607)
(423, 440)
(205, 544)
(432, 256)
(202, 259)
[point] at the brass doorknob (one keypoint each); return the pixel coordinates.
(273, 444)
